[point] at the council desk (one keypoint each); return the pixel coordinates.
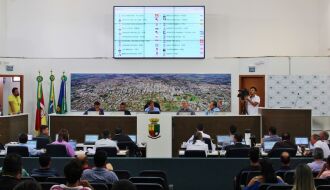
(12, 125)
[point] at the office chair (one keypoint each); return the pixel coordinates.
(20, 150)
(47, 185)
(155, 173)
(289, 177)
(41, 142)
(148, 186)
(157, 180)
(99, 186)
(278, 151)
(122, 174)
(195, 153)
(208, 142)
(111, 151)
(56, 150)
(279, 187)
(238, 152)
(59, 180)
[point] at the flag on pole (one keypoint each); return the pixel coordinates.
(52, 101)
(61, 104)
(40, 112)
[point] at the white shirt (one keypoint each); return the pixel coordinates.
(204, 135)
(106, 142)
(199, 145)
(253, 110)
(324, 146)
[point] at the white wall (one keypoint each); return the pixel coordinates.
(234, 28)
(2, 26)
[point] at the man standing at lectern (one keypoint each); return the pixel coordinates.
(252, 102)
(14, 101)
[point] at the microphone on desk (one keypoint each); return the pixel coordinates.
(297, 98)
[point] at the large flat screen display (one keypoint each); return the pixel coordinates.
(159, 32)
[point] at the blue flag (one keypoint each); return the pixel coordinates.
(61, 104)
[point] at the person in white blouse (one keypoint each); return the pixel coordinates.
(197, 143)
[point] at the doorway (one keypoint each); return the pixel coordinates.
(258, 81)
(7, 82)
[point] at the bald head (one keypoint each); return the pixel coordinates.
(285, 158)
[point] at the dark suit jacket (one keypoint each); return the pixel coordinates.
(284, 144)
(236, 145)
(126, 138)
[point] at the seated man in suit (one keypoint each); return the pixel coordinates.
(285, 143)
(44, 132)
(151, 107)
(120, 137)
(97, 107)
(237, 142)
(122, 107)
(272, 136)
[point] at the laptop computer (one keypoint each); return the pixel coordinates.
(268, 145)
(32, 144)
(301, 141)
(73, 144)
(117, 113)
(93, 113)
(90, 139)
(223, 139)
(133, 138)
(184, 113)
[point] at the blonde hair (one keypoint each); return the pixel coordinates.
(303, 178)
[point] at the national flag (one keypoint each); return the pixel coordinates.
(40, 112)
(61, 104)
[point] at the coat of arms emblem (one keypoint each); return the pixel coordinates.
(154, 128)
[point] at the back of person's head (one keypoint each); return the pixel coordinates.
(286, 137)
(200, 127)
(12, 165)
(267, 171)
(316, 137)
(106, 134)
(324, 135)
(232, 129)
(73, 171)
(285, 158)
(23, 138)
(303, 178)
(238, 137)
(197, 136)
(100, 159)
(63, 135)
(28, 185)
(44, 160)
(254, 155)
(118, 130)
(123, 185)
(272, 130)
(318, 153)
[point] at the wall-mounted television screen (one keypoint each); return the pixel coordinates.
(159, 32)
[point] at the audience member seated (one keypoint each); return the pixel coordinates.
(200, 128)
(28, 185)
(318, 143)
(303, 178)
(45, 170)
(284, 143)
(72, 173)
(44, 132)
(11, 172)
(267, 176)
(63, 138)
(325, 172)
(122, 107)
(254, 164)
(22, 140)
(232, 131)
(272, 136)
(97, 107)
(185, 108)
(82, 157)
(151, 107)
(197, 143)
(212, 108)
(324, 136)
(99, 174)
(237, 142)
(121, 137)
(106, 141)
(285, 161)
(318, 162)
(123, 185)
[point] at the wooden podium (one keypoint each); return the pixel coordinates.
(11, 126)
(297, 122)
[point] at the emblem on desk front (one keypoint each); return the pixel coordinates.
(154, 128)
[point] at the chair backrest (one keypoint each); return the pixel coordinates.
(238, 152)
(158, 180)
(278, 151)
(125, 145)
(250, 175)
(154, 173)
(40, 178)
(47, 185)
(109, 186)
(289, 177)
(27, 178)
(279, 187)
(148, 186)
(323, 187)
(318, 182)
(56, 150)
(122, 174)
(208, 142)
(264, 186)
(280, 173)
(111, 151)
(60, 180)
(20, 150)
(99, 186)
(41, 142)
(194, 153)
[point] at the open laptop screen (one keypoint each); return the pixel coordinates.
(223, 139)
(301, 141)
(91, 138)
(133, 138)
(32, 144)
(268, 145)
